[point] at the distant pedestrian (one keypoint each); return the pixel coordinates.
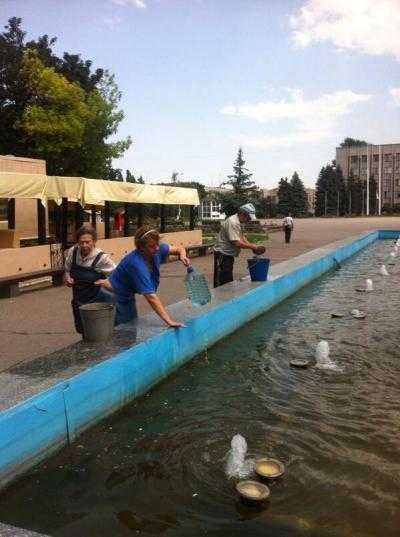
(288, 227)
(230, 241)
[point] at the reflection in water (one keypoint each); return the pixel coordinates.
(158, 466)
(139, 524)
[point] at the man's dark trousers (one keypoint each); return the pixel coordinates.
(223, 268)
(288, 232)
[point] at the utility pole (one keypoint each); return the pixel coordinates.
(362, 201)
(368, 172)
(326, 201)
(380, 181)
(337, 203)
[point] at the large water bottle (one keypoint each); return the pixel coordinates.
(197, 288)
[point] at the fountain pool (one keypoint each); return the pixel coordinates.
(158, 467)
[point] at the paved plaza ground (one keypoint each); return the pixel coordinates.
(39, 322)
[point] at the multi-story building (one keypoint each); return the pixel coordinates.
(271, 194)
(381, 162)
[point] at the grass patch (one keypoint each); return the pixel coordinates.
(251, 237)
(257, 237)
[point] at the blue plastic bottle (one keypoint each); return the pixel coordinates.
(197, 288)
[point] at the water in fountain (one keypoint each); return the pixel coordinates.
(383, 270)
(236, 465)
(322, 356)
(369, 285)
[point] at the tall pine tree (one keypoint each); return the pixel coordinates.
(244, 189)
(330, 194)
(284, 196)
(299, 203)
(240, 180)
(341, 208)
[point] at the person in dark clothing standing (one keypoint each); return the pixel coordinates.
(84, 265)
(288, 227)
(230, 242)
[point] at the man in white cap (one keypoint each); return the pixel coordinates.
(230, 241)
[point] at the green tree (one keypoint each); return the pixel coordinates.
(114, 174)
(244, 190)
(298, 194)
(97, 153)
(354, 195)
(240, 180)
(348, 142)
(320, 193)
(33, 85)
(326, 192)
(13, 93)
(55, 115)
(330, 192)
(341, 197)
(331, 185)
(284, 196)
(265, 208)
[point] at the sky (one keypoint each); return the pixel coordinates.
(287, 80)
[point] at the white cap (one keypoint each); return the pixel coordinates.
(248, 209)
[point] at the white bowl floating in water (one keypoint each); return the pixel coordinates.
(299, 363)
(270, 468)
(357, 314)
(253, 490)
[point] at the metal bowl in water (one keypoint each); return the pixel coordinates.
(270, 468)
(253, 490)
(299, 363)
(357, 314)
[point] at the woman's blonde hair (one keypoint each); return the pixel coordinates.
(145, 234)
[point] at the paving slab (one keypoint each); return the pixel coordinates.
(20, 382)
(40, 322)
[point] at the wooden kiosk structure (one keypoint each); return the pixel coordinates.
(85, 194)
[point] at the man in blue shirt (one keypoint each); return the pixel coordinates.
(139, 273)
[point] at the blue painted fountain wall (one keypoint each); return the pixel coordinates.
(34, 429)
